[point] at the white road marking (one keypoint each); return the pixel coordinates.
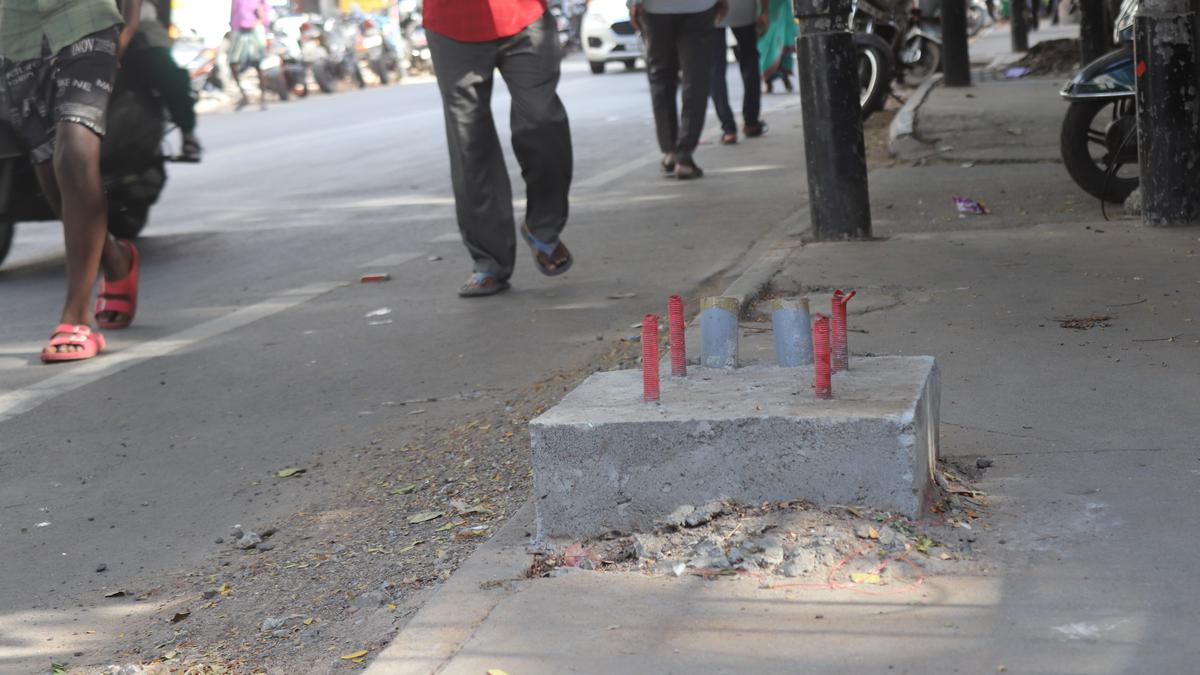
(21, 401)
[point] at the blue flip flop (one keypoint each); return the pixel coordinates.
(543, 253)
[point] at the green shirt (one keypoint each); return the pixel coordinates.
(23, 24)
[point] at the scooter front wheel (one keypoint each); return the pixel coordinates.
(921, 58)
(1099, 147)
(875, 71)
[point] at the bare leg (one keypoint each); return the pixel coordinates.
(262, 86)
(72, 185)
(237, 81)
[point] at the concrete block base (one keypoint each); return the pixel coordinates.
(605, 460)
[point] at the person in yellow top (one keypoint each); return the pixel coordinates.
(58, 60)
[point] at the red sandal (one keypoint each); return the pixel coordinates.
(67, 334)
(119, 297)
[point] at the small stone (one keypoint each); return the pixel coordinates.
(647, 546)
(271, 623)
(1133, 203)
(249, 540)
(709, 554)
(862, 531)
(772, 552)
(371, 600)
(219, 540)
(679, 516)
(887, 536)
(101, 567)
(706, 513)
(983, 462)
(267, 532)
(209, 594)
(265, 546)
(791, 568)
(235, 532)
(282, 633)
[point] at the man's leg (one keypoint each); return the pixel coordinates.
(695, 56)
(72, 185)
(720, 91)
(747, 57)
(662, 67)
(262, 86)
(541, 134)
(482, 192)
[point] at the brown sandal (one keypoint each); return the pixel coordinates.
(482, 284)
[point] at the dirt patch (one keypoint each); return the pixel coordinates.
(324, 589)
(835, 547)
(1086, 322)
(1051, 57)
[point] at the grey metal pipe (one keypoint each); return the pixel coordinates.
(719, 332)
(792, 325)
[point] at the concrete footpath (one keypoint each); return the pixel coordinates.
(1088, 545)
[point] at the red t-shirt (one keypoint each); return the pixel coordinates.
(481, 20)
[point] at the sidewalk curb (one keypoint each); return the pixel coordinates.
(450, 617)
(902, 134)
(769, 255)
(495, 571)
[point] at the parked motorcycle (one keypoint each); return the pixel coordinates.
(1099, 132)
(335, 58)
(200, 62)
(921, 53)
(878, 26)
(418, 59)
(376, 49)
(132, 167)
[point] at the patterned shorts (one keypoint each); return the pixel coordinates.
(71, 86)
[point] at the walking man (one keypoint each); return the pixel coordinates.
(678, 36)
(248, 21)
(469, 40)
(58, 61)
(747, 19)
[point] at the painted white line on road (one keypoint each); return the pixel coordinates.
(78, 375)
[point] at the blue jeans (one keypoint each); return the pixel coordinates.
(746, 52)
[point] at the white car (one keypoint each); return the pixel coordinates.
(609, 36)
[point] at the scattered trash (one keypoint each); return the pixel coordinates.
(382, 311)
(1016, 71)
(101, 567)
(374, 278)
(622, 296)
(248, 541)
(1048, 57)
(180, 616)
(291, 471)
(356, 656)
(115, 594)
(384, 322)
(866, 578)
(464, 509)
(44, 523)
(434, 258)
(577, 555)
(970, 206)
(1087, 322)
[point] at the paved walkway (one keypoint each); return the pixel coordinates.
(1088, 542)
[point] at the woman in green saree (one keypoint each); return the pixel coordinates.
(777, 45)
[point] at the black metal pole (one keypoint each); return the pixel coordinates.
(1168, 111)
(834, 152)
(1018, 26)
(956, 62)
(1094, 38)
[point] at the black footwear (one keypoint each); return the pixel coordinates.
(755, 130)
(729, 139)
(668, 164)
(688, 171)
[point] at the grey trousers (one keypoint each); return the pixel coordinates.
(679, 44)
(541, 139)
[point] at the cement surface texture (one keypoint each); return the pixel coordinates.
(1089, 540)
(604, 459)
